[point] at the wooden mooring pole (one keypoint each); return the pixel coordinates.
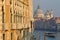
(44, 36)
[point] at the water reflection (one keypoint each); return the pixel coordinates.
(39, 35)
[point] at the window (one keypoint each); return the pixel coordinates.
(10, 10)
(18, 38)
(2, 0)
(2, 14)
(24, 34)
(3, 8)
(10, 1)
(20, 19)
(11, 18)
(14, 18)
(31, 24)
(14, 11)
(3, 36)
(11, 36)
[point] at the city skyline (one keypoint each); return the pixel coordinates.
(48, 4)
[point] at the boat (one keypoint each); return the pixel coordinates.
(50, 35)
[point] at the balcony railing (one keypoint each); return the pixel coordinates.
(0, 26)
(19, 26)
(13, 25)
(7, 26)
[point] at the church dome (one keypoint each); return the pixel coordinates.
(40, 12)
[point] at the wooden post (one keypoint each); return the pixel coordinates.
(38, 36)
(44, 36)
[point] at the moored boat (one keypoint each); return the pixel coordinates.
(50, 34)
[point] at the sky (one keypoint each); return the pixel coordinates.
(48, 4)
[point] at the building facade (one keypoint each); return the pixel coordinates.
(16, 19)
(57, 19)
(39, 13)
(49, 14)
(44, 20)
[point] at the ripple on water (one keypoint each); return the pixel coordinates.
(41, 33)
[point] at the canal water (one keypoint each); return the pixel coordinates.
(39, 35)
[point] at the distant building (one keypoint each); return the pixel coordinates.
(44, 20)
(39, 13)
(57, 20)
(49, 14)
(39, 17)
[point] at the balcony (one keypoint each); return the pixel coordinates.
(19, 26)
(5, 26)
(25, 26)
(13, 26)
(0, 26)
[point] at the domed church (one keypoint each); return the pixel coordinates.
(39, 13)
(49, 14)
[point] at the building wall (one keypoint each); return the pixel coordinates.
(15, 19)
(57, 20)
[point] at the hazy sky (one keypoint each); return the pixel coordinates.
(48, 4)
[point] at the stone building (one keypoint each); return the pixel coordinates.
(49, 14)
(16, 19)
(43, 20)
(39, 13)
(57, 20)
(38, 18)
